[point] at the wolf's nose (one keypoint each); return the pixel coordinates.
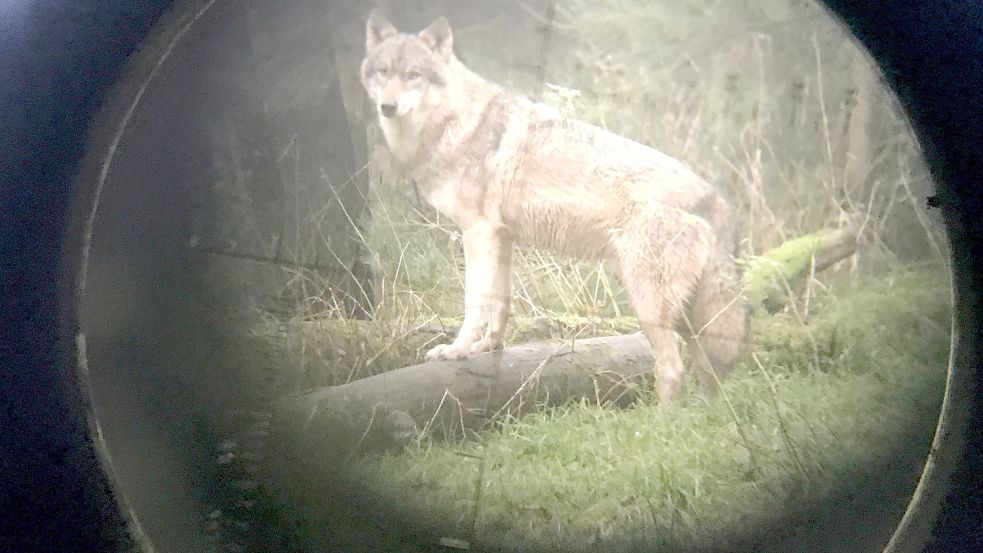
(388, 109)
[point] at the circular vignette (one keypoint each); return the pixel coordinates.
(929, 55)
(926, 50)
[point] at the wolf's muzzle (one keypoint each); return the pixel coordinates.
(388, 110)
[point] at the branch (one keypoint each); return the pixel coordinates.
(766, 276)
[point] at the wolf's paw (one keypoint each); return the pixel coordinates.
(446, 351)
(486, 344)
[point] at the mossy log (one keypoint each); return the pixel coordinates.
(447, 398)
(769, 277)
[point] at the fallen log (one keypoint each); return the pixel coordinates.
(769, 277)
(453, 398)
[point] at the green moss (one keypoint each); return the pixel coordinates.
(882, 320)
(764, 276)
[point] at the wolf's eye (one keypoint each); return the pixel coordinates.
(413, 75)
(383, 71)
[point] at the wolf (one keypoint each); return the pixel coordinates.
(508, 170)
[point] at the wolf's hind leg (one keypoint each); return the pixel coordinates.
(716, 323)
(658, 306)
(487, 292)
(668, 362)
(660, 262)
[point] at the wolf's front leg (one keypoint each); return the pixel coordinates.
(497, 301)
(487, 292)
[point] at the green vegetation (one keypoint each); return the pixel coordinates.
(812, 404)
(828, 401)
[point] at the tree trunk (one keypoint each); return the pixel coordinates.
(857, 154)
(452, 398)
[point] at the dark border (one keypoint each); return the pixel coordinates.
(61, 59)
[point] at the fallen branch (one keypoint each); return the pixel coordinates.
(448, 398)
(767, 277)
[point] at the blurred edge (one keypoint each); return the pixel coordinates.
(57, 498)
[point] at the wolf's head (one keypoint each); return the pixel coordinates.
(403, 71)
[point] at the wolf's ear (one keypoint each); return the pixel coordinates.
(438, 37)
(378, 29)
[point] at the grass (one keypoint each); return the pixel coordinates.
(839, 388)
(815, 408)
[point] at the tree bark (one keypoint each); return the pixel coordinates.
(452, 398)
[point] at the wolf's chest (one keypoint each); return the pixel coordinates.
(400, 139)
(446, 199)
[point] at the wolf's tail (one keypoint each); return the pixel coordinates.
(718, 311)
